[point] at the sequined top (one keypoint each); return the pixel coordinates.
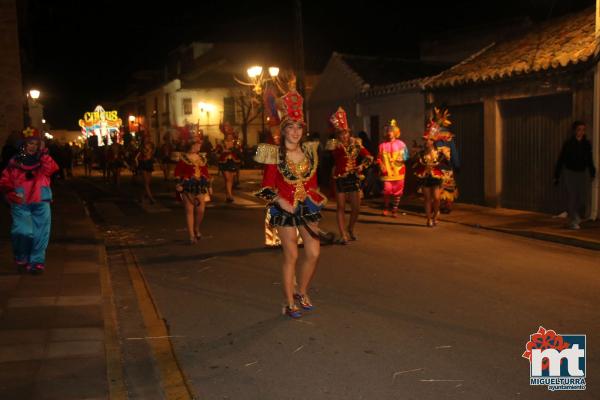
(284, 178)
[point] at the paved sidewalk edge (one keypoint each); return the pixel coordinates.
(117, 388)
(543, 236)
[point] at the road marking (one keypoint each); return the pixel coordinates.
(173, 380)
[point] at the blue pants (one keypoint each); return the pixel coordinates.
(30, 232)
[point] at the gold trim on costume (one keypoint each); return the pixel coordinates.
(267, 154)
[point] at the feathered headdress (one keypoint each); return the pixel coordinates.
(339, 121)
(437, 128)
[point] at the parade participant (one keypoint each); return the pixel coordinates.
(391, 159)
(290, 186)
(429, 168)
(166, 149)
(115, 158)
(229, 155)
(350, 160)
(444, 141)
(271, 236)
(145, 166)
(88, 159)
(26, 184)
(193, 185)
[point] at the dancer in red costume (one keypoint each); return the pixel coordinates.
(350, 159)
(290, 186)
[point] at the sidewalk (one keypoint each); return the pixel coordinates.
(517, 222)
(57, 333)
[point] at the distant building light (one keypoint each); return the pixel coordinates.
(206, 106)
(34, 93)
(43, 121)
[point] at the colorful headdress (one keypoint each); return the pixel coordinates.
(31, 134)
(226, 128)
(393, 126)
(289, 108)
(339, 120)
(437, 128)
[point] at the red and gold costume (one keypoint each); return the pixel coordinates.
(229, 153)
(294, 182)
(349, 159)
(192, 171)
(431, 165)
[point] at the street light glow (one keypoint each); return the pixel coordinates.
(273, 71)
(255, 71)
(43, 121)
(206, 106)
(34, 93)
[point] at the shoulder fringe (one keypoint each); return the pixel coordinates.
(331, 144)
(267, 154)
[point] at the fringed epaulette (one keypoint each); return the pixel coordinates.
(313, 146)
(331, 144)
(267, 154)
(358, 141)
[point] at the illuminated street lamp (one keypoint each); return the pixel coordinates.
(35, 110)
(258, 79)
(34, 94)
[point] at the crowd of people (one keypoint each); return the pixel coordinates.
(296, 168)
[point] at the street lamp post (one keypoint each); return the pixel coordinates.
(35, 110)
(259, 81)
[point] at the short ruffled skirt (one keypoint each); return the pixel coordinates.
(347, 184)
(430, 182)
(195, 186)
(229, 165)
(306, 212)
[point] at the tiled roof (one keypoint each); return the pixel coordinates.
(554, 44)
(376, 71)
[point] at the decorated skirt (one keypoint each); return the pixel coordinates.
(347, 184)
(306, 212)
(195, 186)
(430, 181)
(229, 165)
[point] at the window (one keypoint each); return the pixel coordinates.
(229, 110)
(187, 106)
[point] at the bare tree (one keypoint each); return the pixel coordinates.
(249, 108)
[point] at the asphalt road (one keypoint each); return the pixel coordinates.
(406, 312)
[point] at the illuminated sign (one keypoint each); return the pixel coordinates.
(105, 125)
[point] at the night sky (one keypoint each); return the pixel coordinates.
(81, 53)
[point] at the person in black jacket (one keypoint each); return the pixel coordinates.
(574, 163)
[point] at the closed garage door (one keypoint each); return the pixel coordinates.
(533, 130)
(467, 126)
